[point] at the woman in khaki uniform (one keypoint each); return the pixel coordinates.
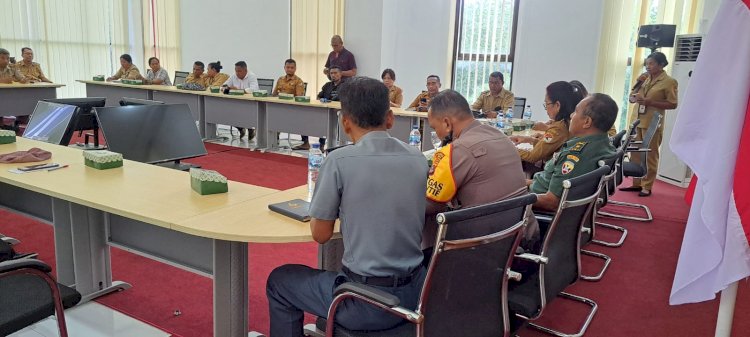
(214, 77)
(395, 94)
(128, 71)
(657, 94)
(559, 102)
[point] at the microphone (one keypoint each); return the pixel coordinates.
(640, 81)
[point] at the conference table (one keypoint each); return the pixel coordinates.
(20, 99)
(151, 211)
(268, 115)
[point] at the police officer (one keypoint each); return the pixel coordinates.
(658, 93)
(422, 102)
(581, 154)
(478, 164)
(378, 184)
(30, 69)
(497, 98)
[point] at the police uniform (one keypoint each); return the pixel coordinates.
(489, 102)
(33, 71)
(551, 141)
(424, 95)
(478, 167)
(289, 85)
(132, 73)
(197, 79)
(376, 188)
(215, 81)
(662, 88)
(12, 73)
(579, 155)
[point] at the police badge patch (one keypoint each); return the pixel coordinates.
(567, 167)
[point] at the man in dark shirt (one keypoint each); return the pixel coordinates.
(340, 57)
(330, 92)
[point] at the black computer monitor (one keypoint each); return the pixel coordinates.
(125, 101)
(656, 36)
(84, 104)
(152, 133)
(52, 123)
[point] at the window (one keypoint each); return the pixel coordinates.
(485, 41)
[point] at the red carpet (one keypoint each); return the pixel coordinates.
(632, 297)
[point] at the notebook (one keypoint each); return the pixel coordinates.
(296, 209)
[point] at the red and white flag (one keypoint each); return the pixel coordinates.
(712, 136)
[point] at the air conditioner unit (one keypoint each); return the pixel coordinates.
(671, 169)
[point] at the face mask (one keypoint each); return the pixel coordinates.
(448, 139)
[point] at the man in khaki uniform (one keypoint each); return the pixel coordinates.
(497, 98)
(422, 102)
(9, 74)
(197, 76)
(479, 164)
(657, 94)
(128, 70)
(289, 83)
(30, 69)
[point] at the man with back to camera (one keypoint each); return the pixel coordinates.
(245, 80)
(496, 99)
(355, 184)
(422, 102)
(30, 69)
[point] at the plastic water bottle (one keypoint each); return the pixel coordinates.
(527, 113)
(415, 138)
(314, 160)
(500, 121)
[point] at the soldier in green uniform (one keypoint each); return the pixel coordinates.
(580, 154)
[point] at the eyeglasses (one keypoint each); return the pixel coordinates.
(545, 104)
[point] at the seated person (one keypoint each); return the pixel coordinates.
(9, 74)
(476, 165)
(559, 102)
(395, 94)
(197, 76)
(247, 81)
(496, 99)
(330, 92)
(422, 102)
(376, 189)
(214, 77)
(128, 71)
(157, 74)
(581, 154)
(289, 83)
(30, 69)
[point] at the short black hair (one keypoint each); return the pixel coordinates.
(292, 61)
(4, 52)
(153, 58)
(435, 76)
(365, 101)
(200, 64)
(215, 66)
(497, 74)
(659, 57)
(127, 58)
(241, 64)
(334, 67)
(568, 97)
(389, 72)
(602, 110)
(24, 49)
(450, 102)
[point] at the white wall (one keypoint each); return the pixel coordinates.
(556, 41)
(254, 31)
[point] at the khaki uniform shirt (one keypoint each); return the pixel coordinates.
(11, 72)
(289, 85)
(488, 102)
(579, 155)
(193, 79)
(215, 81)
(131, 73)
(553, 139)
(424, 95)
(663, 87)
(396, 95)
(33, 71)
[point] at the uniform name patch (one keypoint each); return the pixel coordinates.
(567, 167)
(573, 158)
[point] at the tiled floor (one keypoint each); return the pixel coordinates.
(232, 139)
(92, 319)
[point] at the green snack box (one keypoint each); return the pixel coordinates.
(207, 182)
(215, 90)
(302, 99)
(179, 86)
(237, 92)
(102, 159)
(519, 126)
(286, 96)
(7, 136)
(136, 82)
(260, 93)
(99, 78)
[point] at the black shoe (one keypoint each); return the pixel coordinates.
(242, 132)
(250, 134)
(644, 193)
(630, 189)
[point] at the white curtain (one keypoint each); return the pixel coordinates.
(161, 34)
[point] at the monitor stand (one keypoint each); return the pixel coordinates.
(87, 146)
(177, 165)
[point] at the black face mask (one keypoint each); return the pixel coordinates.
(448, 139)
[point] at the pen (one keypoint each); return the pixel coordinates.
(57, 168)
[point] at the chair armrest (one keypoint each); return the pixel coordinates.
(639, 150)
(12, 265)
(636, 142)
(538, 259)
(513, 275)
(371, 293)
(543, 217)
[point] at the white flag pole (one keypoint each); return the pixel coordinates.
(726, 311)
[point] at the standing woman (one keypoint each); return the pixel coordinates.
(214, 77)
(657, 94)
(157, 74)
(395, 94)
(128, 71)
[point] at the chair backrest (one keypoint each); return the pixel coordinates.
(304, 91)
(465, 291)
(265, 84)
(561, 240)
(607, 189)
(610, 180)
(180, 77)
(519, 104)
(617, 139)
(647, 138)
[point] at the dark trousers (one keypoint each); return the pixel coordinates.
(306, 139)
(295, 289)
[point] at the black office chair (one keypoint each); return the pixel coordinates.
(28, 294)
(466, 285)
(519, 105)
(630, 169)
(304, 92)
(180, 77)
(558, 265)
(610, 187)
(266, 84)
